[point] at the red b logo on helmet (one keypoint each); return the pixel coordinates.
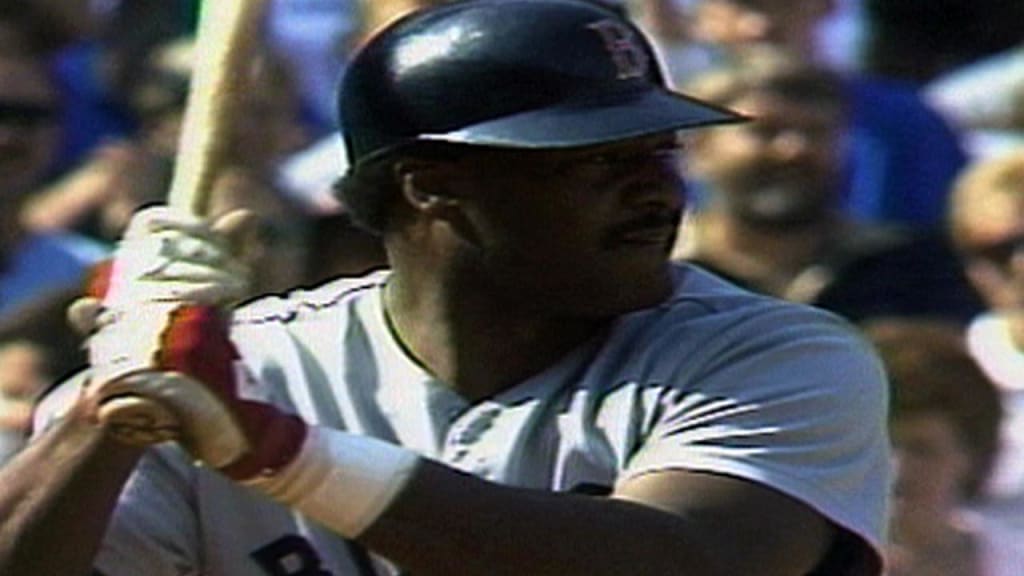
(628, 54)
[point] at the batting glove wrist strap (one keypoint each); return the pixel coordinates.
(344, 481)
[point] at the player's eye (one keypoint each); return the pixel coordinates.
(612, 158)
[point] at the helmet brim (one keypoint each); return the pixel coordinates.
(593, 121)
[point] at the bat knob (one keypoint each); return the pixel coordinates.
(139, 421)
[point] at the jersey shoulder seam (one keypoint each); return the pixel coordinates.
(294, 305)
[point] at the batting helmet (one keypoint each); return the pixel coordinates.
(511, 74)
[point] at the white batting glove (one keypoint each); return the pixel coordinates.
(167, 255)
(171, 272)
(159, 339)
(167, 259)
(162, 337)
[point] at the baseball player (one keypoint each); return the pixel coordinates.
(531, 389)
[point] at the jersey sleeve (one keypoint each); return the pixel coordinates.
(154, 528)
(791, 399)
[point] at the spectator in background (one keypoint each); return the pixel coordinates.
(984, 100)
(25, 372)
(944, 424)
(121, 176)
(918, 40)
(35, 265)
(30, 131)
(40, 273)
(986, 217)
(118, 176)
(98, 70)
(773, 220)
(314, 37)
(900, 156)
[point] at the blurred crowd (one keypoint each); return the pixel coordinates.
(882, 178)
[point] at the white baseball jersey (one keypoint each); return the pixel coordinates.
(715, 379)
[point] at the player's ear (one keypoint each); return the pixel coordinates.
(434, 190)
(426, 186)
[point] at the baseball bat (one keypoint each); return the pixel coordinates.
(225, 37)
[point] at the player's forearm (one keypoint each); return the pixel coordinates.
(56, 498)
(448, 523)
(432, 519)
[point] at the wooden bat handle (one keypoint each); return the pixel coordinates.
(227, 33)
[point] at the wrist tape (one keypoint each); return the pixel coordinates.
(342, 480)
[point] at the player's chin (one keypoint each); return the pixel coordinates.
(641, 284)
(655, 291)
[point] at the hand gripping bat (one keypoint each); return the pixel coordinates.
(225, 39)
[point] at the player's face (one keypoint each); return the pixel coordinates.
(584, 232)
(781, 169)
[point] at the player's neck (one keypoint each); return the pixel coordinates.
(477, 349)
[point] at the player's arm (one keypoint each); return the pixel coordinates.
(672, 522)
(57, 496)
(433, 519)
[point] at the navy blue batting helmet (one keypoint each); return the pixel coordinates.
(510, 73)
(519, 74)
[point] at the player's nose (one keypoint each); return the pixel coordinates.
(657, 181)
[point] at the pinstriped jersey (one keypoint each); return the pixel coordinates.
(715, 379)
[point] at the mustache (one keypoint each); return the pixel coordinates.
(654, 219)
